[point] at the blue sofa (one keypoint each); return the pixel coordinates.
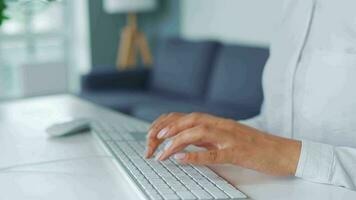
(187, 76)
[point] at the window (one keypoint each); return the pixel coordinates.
(38, 32)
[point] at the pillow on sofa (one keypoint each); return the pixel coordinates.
(182, 67)
(236, 76)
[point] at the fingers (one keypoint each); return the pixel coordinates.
(152, 141)
(162, 122)
(152, 145)
(169, 125)
(198, 135)
(205, 157)
(160, 119)
(186, 122)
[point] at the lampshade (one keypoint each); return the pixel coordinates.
(126, 6)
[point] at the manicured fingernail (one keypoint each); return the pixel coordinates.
(162, 133)
(179, 156)
(158, 155)
(168, 144)
(146, 153)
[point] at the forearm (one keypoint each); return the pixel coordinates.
(271, 154)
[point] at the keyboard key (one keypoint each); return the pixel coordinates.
(170, 197)
(235, 194)
(217, 193)
(202, 194)
(186, 195)
(155, 196)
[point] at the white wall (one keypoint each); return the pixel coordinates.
(80, 40)
(80, 56)
(235, 21)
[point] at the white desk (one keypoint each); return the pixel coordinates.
(94, 176)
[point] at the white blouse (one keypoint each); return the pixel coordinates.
(309, 87)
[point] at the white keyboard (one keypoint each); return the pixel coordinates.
(165, 180)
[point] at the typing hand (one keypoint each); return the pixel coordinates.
(225, 141)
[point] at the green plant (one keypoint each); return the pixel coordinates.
(2, 11)
(3, 7)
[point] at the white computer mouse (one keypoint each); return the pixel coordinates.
(68, 127)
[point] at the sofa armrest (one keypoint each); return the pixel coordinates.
(111, 79)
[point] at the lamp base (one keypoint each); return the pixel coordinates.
(132, 44)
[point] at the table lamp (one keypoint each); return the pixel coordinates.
(132, 41)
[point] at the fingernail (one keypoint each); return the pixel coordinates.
(168, 144)
(146, 153)
(149, 134)
(158, 155)
(162, 133)
(179, 156)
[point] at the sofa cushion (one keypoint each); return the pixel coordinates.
(109, 78)
(125, 100)
(182, 67)
(236, 76)
(150, 111)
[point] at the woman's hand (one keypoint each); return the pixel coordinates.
(226, 141)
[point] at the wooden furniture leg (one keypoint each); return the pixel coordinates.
(132, 44)
(144, 49)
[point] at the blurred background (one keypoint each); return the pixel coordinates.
(141, 57)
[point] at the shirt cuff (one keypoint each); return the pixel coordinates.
(315, 162)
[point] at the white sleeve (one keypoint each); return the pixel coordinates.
(328, 164)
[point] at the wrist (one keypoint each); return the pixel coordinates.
(293, 149)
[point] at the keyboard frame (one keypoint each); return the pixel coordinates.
(137, 136)
(121, 166)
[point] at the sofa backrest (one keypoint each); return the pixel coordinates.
(236, 78)
(182, 67)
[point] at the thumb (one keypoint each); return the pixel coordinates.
(205, 157)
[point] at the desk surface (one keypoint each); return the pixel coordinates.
(76, 167)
